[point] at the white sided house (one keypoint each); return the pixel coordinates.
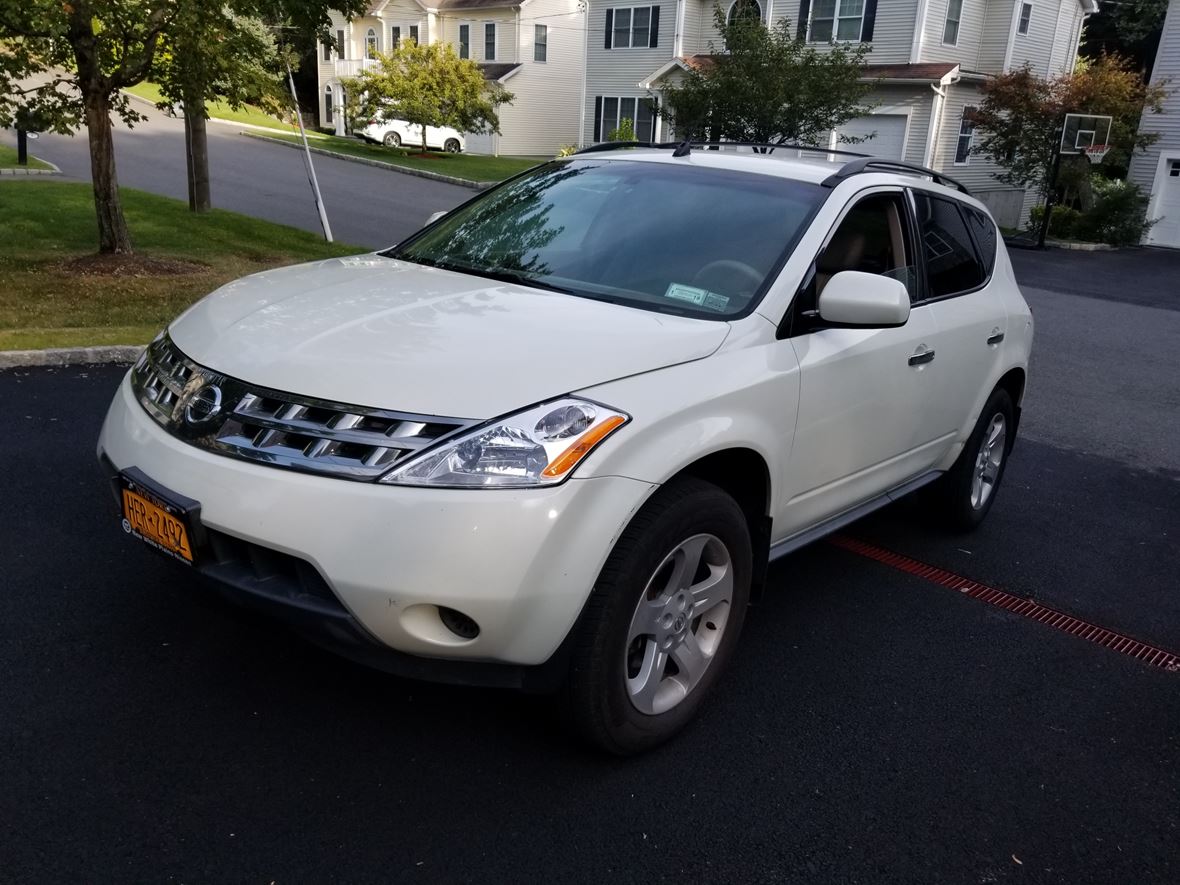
(928, 57)
(534, 48)
(1157, 171)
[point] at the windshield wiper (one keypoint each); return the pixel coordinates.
(505, 275)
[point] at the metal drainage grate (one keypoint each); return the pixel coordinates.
(1123, 644)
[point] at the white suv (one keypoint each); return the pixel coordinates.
(553, 439)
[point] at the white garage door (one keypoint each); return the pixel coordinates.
(1166, 231)
(888, 140)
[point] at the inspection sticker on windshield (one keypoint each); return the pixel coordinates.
(700, 297)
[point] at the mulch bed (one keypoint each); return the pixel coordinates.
(129, 266)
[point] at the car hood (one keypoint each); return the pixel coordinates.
(372, 331)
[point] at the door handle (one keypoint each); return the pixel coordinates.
(920, 359)
(996, 337)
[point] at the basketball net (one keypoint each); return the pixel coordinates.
(1096, 153)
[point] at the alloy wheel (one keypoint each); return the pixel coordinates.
(678, 624)
(989, 460)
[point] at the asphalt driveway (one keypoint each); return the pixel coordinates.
(874, 727)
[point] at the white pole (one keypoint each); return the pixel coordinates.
(315, 185)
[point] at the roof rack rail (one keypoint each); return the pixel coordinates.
(616, 145)
(870, 164)
(860, 162)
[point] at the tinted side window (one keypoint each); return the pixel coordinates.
(985, 236)
(952, 264)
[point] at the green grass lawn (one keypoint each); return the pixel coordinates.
(244, 114)
(8, 159)
(470, 167)
(48, 223)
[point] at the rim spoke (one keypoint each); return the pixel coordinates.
(688, 560)
(646, 683)
(690, 659)
(646, 618)
(716, 589)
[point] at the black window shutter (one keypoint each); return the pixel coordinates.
(610, 27)
(598, 114)
(804, 13)
(654, 39)
(866, 30)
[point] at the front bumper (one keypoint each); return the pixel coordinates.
(521, 563)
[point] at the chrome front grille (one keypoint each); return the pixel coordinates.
(232, 417)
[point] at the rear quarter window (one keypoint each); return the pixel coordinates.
(984, 231)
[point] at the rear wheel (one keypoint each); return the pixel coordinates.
(663, 620)
(392, 139)
(452, 146)
(970, 486)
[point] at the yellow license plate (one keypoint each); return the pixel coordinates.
(156, 526)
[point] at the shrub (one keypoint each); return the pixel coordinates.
(1118, 216)
(625, 132)
(1063, 225)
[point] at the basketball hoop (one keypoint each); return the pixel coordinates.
(1096, 153)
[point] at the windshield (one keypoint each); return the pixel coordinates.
(667, 237)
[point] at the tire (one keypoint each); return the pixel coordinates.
(621, 695)
(392, 139)
(452, 146)
(969, 489)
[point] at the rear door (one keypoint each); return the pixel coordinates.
(863, 421)
(959, 248)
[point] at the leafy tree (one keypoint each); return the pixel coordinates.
(64, 64)
(427, 85)
(212, 53)
(769, 86)
(1021, 115)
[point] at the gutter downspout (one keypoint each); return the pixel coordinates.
(936, 116)
(585, 7)
(919, 31)
(1012, 36)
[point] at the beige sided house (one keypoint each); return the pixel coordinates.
(535, 48)
(929, 56)
(1157, 170)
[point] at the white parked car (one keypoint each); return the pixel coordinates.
(395, 133)
(553, 439)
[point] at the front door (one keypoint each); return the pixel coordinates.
(864, 424)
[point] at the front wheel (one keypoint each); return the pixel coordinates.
(452, 146)
(970, 486)
(663, 619)
(392, 139)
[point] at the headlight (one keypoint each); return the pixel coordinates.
(538, 447)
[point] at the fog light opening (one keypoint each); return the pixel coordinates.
(458, 623)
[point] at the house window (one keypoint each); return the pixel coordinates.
(745, 9)
(966, 137)
(839, 20)
(372, 44)
(341, 46)
(1025, 18)
(464, 41)
(1174, 169)
(610, 112)
(489, 41)
(540, 43)
(328, 105)
(327, 51)
(414, 34)
(395, 37)
(633, 27)
(950, 30)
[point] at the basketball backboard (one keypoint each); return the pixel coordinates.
(1084, 130)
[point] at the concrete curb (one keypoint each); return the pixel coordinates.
(70, 356)
(1080, 247)
(434, 176)
(53, 170)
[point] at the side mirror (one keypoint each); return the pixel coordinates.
(867, 300)
(435, 217)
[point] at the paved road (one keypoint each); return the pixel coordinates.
(874, 726)
(366, 206)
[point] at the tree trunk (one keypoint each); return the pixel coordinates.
(423, 139)
(196, 155)
(113, 236)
